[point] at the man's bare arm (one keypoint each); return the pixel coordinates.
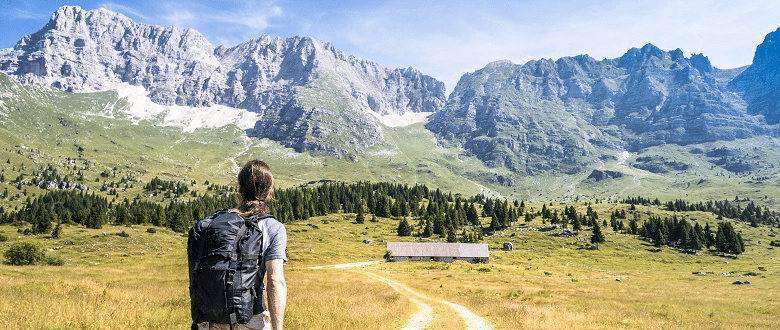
(277, 292)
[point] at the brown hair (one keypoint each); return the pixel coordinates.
(255, 188)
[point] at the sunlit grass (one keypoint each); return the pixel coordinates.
(548, 281)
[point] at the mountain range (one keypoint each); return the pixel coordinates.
(292, 84)
(571, 116)
(554, 115)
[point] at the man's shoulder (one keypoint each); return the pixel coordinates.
(272, 223)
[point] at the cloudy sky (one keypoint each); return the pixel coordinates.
(446, 39)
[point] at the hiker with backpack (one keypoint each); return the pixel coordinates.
(229, 253)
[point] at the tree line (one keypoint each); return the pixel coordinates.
(751, 213)
(681, 234)
(449, 216)
(94, 211)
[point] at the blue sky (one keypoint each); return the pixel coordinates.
(446, 39)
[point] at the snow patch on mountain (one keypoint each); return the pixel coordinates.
(141, 107)
(398, 120)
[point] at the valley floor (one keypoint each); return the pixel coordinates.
(549, 281)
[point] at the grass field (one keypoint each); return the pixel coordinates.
(90, 133)
(547, 282)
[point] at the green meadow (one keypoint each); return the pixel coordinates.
(139, 280)
(548, 281)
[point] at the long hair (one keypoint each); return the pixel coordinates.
(255, 188)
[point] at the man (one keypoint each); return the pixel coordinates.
(255, 187)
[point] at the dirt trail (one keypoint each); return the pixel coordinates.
(421, 319)
(424, 316)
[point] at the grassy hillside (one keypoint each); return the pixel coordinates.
(548, 281)
(91, 134)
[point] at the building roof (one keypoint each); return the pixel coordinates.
(459, 250)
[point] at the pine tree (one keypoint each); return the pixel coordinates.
(360, 218)
(451, 237)
(487, 208)
(633, 227)
(494, 223)
(404, 229)
(57, 232)
(427, 229)
(576, 225)
(661, 235)
(597, 236)
(708, 236)
(720, 239)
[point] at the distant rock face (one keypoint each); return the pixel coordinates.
(659, 164)
(760, 83)
(307, 91)
(559, 115)
(93, 50)
(598, 175)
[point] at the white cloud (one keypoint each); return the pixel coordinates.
(221, 22)
(448, 40)
(127, 11)
(18, 13)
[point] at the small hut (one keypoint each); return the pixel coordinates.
(447, 252)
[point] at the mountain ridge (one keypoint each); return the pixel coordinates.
(279, 79)
(563, 116)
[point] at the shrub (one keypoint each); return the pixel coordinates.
(151, 230)
(24, 253)
(3, 238)
(388, 256)
(479, 260)
(54, 260)
(123, 234)
(57, 232)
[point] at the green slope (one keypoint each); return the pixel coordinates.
(89, 134)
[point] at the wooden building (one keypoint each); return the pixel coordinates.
(447, 252)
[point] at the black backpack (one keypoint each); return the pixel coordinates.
(225, 253)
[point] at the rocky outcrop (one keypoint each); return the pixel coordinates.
(759, 84)
(659, 164)
(561, 114)
(302, 87)
(599, 175)
(93, 50)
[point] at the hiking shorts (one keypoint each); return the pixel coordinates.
(258, 322)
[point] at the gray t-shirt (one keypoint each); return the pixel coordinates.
(275, 240)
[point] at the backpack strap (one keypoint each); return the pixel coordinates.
(197, 261)
(203, 236)
(233, 267)
(259, 281)
(202, 243)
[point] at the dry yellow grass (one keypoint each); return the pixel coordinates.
(338, 299)
(140, 282)
(548, 282)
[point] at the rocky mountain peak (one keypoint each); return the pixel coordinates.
(701, 63)
(768, 52)
(760, 82)
(636, 57)
(554, 115)
(304, 89)
(498, 65)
